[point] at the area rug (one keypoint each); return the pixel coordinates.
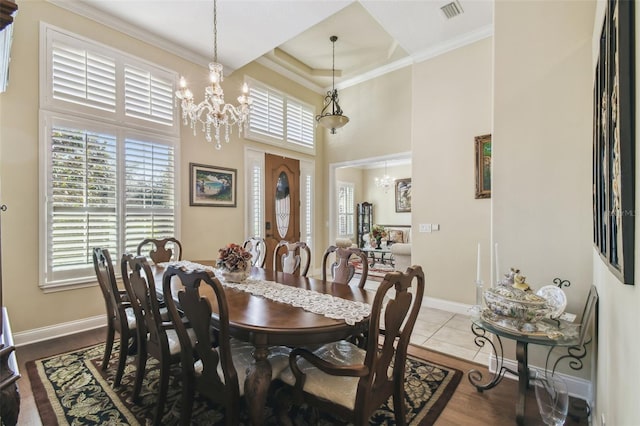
(376, 272)
(70, 389)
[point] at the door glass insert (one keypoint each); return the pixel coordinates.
(283, 204)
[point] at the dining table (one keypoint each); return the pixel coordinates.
(268, 323)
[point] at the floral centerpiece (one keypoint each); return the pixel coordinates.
(234, 262)
(378, 233)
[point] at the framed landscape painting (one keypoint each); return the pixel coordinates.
(483, 166)
(212, 186)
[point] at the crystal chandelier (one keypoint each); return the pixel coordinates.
(213, 113)
(332, 119)
(385, 182)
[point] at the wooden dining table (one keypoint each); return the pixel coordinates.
(265, 323)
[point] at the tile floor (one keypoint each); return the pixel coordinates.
(445, 332)
(449, 333)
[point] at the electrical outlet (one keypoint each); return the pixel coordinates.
(435, 227)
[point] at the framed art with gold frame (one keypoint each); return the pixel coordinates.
(483, 166)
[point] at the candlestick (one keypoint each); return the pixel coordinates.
(478, 264)
(497, 264)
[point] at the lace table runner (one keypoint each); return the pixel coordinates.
(330, 306)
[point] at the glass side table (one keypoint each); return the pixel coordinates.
(381, 252)
(547, 332)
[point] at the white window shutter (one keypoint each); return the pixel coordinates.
(82, 198)
(84, 78)
(147, 97)
(149, 192)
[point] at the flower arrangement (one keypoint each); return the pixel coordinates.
(233, 258)
(378, 232)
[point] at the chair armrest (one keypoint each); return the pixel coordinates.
(354, 370)
(358, 370)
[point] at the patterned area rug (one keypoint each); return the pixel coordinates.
(376, 272)
(71, 389)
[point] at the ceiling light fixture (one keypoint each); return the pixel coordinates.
(332, 119)
(213, 112)
(385, 182)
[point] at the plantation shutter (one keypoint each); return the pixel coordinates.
(300, 126)
(82, 199)
(346, 211)
(147, 96)
(267, 112)
(149, 192)
(84, 78)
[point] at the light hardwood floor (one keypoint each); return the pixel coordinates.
(466, 407)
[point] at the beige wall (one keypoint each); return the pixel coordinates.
(380, 119)
(451, 105)
(203, 229)
(384, 203)
(542, 144)
(618, 346)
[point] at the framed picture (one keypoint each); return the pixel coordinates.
(403, 195)
(614, 143)
(483, 166)
(212, 186)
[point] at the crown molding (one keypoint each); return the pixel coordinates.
(276, 67)
(86, 11)
(456, 43)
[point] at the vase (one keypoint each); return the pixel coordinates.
(236, 276)
(378, 242)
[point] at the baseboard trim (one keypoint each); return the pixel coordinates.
(446, 305)
(577, 387)
(58, 330)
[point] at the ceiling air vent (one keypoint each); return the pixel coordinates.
(452, 9)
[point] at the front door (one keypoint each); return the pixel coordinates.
(282, 202)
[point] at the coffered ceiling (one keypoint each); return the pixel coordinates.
(292, 36)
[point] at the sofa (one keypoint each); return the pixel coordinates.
(399, 242)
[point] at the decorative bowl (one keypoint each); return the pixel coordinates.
(511, 302)
(235, 276)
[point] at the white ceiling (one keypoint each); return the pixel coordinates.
(292, 36)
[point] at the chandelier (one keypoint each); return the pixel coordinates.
(213, 113)
(385, 182)
(332, 118)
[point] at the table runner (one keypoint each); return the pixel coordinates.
(330, 306)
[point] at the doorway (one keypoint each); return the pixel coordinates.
(282, 202)
(366, 190)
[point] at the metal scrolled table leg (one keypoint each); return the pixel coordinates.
(475, 376)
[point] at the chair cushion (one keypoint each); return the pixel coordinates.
(242, 355)
(337, 389)
(174, 341)
(131, 318)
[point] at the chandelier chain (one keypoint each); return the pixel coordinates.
(215, 31)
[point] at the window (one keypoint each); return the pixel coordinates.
(346, 210)
(279, 119)
(108, 150)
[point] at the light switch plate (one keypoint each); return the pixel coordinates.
(425, 227)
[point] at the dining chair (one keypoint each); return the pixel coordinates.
(161, 250)
(215, 371)
(342, 270)
(351, 383)
(292, 258)
(156, 337)
(120, 315)
(258, 249)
